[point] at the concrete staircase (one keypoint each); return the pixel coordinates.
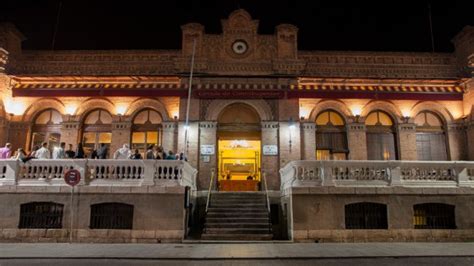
(237, 216)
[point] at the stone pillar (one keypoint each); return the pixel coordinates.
(121, 134)
(207, 136)
(457, 142)
(290, 142)
(470, 140)
(3, 131)
(70, 133)
(191, 147)
(169, 141)
(270, 163)
(18, 134)
(356, 141)
(407, 141)
(308, 141)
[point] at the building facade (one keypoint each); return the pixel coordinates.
(257, 104)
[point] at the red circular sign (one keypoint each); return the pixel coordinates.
(72, 177)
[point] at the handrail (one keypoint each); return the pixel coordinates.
(266, 190)
(210, 188)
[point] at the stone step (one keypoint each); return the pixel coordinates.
(238, 205)
(236, 237)
(236, 220)
(237, 230)
(243, 210)
(208, 225)
(237, 215)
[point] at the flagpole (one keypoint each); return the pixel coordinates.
(186, 125)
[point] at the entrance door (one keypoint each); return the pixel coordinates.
(239, 165)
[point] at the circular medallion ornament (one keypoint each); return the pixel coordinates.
(72, 177)
(239, 47)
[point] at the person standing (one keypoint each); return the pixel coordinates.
(6, 152)
(58, 152)
(136, 155)
(123, 153)
(102, 151)
(79, 152)
(43, 152)
(149, 155)
(70, 153)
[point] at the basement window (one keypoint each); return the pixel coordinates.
(434, 216)
(41, 215)
(111, 216)
(366, 215)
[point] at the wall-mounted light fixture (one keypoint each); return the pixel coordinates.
(406, 119)
(291, 128)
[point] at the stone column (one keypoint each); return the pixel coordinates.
(270, 163)
(470, 140)
(308, 141)
(169, 141)
(3, 131)
(290, 142)
(191, 147)
(407, 141)
(18, 134)
(121, 134)
(457, 141)
(356, 141)
(70, 133)
(207, 136)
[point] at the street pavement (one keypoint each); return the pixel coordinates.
(238, 254)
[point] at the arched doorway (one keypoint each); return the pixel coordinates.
(46, 128)
(239, 148)
(96, 129)
(146, 130)
(430, 137)
(381, 136)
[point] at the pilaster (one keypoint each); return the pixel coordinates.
(121, 134)
(270, 163)
(308, 141)
(457, 141)
(356, 141)
(407, 141)
(207, 136)
(169, 139)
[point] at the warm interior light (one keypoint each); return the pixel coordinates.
(406, 113)
(71, 109)
(13, 106)
(121, 109)
(356, 110)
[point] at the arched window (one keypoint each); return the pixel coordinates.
(366, 215)
(331, 140)
(434, 216)
(381, 136)
(47, 128)
(111, 215)
(146, 130)
(41, 215)
(430, 137)
(97, 127)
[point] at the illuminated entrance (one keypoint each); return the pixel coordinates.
(239, 165)
(238, 149)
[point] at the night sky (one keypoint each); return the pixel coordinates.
(324, 25)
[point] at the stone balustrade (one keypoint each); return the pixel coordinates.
(377, 174)
(99, 172)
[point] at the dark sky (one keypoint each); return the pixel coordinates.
(324, 25)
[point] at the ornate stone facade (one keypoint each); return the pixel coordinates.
(286, 87)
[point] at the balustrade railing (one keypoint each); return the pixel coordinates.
(377, 173)
(99, 172)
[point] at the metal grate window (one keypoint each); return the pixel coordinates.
(434, 216)
(41, 215)
(366, 215)
(111, 216)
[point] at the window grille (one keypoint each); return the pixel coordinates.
(366, 215)
(41, 215)
(111, 216)
(434, 216)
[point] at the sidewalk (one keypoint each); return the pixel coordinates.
(234, 251)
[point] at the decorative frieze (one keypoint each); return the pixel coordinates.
(407, 127)
(270, 125)
(207, 124)
(121, 125)
(355, 127)
(3, 60)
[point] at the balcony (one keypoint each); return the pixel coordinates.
(165, 173)
(377, 174)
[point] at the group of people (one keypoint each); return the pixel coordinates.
(154, 152)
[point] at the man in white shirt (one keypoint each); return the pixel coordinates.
(58, 152)
(43, 152)
(123, 153)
